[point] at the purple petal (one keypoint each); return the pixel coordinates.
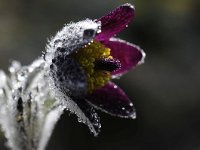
(115, 21)
(128, 54)
(111, 99)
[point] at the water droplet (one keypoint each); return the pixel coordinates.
(99, 31)
(15, 66)
(80, 120)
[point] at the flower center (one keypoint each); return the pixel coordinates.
(96, 61)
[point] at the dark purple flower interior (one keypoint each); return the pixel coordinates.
(128, 54)
(108, 64)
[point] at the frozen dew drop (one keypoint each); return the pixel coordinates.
(14, 67)
(21, 76)
(80, 120)
(115, 86)
(98, 31)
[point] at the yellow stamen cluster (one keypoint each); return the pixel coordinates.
(86, 57)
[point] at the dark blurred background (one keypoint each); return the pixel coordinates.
(165, 90)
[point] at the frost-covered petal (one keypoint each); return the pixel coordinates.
(68, 76)
(115, 21)
(112, 100)
(88, 115)
(128, 54)
(25, 104)
(71, 37)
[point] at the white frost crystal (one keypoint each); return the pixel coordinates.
(30, 103)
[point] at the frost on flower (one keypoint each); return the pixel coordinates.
(74, 73)
(27, 109)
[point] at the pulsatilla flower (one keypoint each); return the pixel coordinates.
(82, 59)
